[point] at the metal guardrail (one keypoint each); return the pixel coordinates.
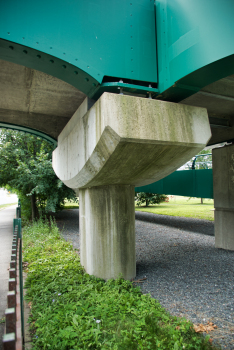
(203, 163)
(13, 338)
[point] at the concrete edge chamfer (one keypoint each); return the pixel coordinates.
(128, 140)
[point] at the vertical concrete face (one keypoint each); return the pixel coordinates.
(223, 181)
(107, 227)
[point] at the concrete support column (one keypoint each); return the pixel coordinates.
(105, 151)
(223, 180)
(107, 227)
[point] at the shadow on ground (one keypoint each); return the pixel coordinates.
(186, 224)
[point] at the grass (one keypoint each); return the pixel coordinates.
(3, 206)
(71, 205)
(183, 206)
(177, 206)
(73, 310)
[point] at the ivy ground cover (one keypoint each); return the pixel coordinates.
(72, 310)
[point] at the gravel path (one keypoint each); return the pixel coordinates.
(183, 270)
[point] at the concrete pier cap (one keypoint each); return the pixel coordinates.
(121, 142)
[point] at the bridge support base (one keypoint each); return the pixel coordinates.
(223, 178)
(107, 228)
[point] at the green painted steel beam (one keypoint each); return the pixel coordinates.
(93, 39)
(125, 88)
(29, 131)
(195, 45)
(189, 183)
(180, 45)
(31, 58)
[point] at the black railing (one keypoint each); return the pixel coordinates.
(13, 338)
(205, 164)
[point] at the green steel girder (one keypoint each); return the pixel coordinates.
(81, 42)
(49, 64)
(195, 45)
(29, 131)
(180, 45)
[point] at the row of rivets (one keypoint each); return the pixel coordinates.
(52, 61)
(11, 47)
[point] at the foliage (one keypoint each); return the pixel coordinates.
(72, 205)
(149, 198)
(26, 168)
(73, 310)
(203, 160)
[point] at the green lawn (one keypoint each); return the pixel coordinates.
(183, 206)
(71, 205)
(177, 206)
(2, 206)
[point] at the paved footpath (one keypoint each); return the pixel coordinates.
(6, 233)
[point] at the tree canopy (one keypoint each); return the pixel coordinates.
(26, 168)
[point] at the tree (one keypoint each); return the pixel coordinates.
(26, 168)
(149, 198)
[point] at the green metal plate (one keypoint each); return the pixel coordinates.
(189, 183)
(195, 45)
(97, 37)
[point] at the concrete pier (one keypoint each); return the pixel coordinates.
(121, 142)
(223, 181)
(107, 226)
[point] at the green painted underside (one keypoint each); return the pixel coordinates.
(180, 45)
(189, 183)
(95, 38)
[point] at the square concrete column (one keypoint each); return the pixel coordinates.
(223, 181)
(107, 228)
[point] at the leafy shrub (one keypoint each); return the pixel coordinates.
(149, 198)
(72, 310)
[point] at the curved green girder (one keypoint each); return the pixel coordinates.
(91, 38)
(176, 46)
(195, 45)
(29, 131)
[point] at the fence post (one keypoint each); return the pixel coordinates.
(10, 320)
(9, 341)
(14, 314)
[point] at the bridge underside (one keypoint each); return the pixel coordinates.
(39, 101)
(218, 99)
(36, 100)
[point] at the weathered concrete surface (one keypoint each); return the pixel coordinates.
(107, 227)
(36, 100)
(223, 181)
(128, 140)
(104, 151)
